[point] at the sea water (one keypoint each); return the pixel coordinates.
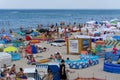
(13, 19)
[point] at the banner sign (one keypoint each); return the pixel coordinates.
(73, 46)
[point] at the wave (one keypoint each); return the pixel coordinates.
(14, 12)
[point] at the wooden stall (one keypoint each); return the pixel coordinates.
(77, 45)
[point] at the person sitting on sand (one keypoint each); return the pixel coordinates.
(52, 57)
(89, 52)
(28, 59)
(58, 56)
(13, 69)
(21, 74)
(32, 61)
(109, 59)
(118, 60)
(44, 49)
(5, 67)
(50, 75)
(7, 75)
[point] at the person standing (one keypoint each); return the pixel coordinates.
(62, 71)
(114, 50)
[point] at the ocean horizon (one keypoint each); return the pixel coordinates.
(14, 18)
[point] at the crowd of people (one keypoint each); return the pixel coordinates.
(11, 73)
(31, 59)
(109, 59)
(62, 31)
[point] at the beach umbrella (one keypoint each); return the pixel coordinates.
(105, 22)
(91, 22)
(21, 33)
(114, 21)
(10, 49)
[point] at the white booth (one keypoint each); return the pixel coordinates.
(5, 58)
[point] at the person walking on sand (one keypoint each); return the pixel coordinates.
(62, 71)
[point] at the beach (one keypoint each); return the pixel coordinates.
(35, 37)
(93, 71)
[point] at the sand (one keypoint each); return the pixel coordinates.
(96, 71)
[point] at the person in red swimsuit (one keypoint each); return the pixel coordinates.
(114, 50)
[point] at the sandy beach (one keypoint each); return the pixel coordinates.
(59, 40)
(93, 71)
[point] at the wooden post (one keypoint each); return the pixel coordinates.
(79, 45)
(67, 45)
(90, 44)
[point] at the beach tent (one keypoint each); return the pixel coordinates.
(1, 45)
(54, 69)
(21, 33)
(114, 22)
(10, 49)
(6, 39)
(91, 22)
(105, 22)
(5, 34)
(27, 37)
(28, 49)
(31, 49)
(34, 49)
(34, 34)
(2, 42)
(5, 58)
(15, 56)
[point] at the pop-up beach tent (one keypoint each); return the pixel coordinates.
(31, 49)
(27, 37)
(5, 58)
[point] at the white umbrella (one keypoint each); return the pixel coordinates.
(91, 22)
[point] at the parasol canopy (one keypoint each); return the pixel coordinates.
(10, 49)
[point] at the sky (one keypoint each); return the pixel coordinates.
(59, 4)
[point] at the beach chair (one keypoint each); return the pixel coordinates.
(42, 70)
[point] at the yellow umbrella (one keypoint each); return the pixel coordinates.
(10, 49)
